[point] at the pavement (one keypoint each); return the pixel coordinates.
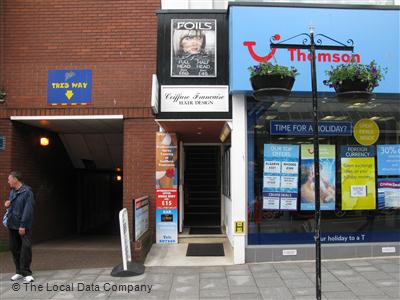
(372, 278)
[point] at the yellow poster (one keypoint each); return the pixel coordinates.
(358, 177)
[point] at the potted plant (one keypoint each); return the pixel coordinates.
(355, 77)
(266, 75)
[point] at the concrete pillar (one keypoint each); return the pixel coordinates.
(239, 174)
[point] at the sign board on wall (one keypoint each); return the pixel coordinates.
(193, 47)
(201, 98)
(166, 188)
(141, 216)
(250, 30)
(69, 87)
(358, 177)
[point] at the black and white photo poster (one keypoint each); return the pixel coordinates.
(193, 48)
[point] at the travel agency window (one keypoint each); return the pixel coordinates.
(360, 185)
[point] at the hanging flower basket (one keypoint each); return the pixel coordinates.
(268, 80)
(354, 81)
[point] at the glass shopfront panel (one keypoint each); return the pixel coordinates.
(360, 185)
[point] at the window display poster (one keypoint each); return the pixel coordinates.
(358, 177)
(389, 193)
(193, 47)
(327, 179)
(166, 188)
(388, 160)
(281, 176)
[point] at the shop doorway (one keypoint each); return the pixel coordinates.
(202, 186)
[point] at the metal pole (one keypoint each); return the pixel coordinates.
(316, 168)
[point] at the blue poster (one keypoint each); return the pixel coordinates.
(327, 178)
(388, 159)
(326, 128)
(388, 193)
(69, 87)
(166, 226)
(281, 176)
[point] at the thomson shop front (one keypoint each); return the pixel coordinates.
(272, 141)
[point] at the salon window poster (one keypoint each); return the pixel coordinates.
(281, 176)
(193, 47)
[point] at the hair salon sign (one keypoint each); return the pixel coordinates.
(184, 98)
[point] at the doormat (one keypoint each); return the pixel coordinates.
(205, 230)
(195, 249)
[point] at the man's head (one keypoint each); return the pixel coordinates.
(15, 179)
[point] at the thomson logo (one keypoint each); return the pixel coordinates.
(298, 55)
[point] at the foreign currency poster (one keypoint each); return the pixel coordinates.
(281, 176)
(327, 179)
(358, 177)
(389, 193)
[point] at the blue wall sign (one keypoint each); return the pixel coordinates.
(327, 128)
(250, 30)
(388, 159)
(69, 87)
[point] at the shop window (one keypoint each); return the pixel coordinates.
(289, 217)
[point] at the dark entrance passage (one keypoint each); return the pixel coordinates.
(202, 186)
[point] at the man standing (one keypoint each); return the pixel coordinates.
(19, 219)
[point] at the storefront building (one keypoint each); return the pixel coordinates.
(277, 139)
(164, 102)
(279, 130)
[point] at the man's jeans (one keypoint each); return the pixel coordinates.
(21, 248)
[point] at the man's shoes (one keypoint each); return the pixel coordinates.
(16, 277)
(29, 278)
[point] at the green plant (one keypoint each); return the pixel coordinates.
(267, 68)
(370, 73)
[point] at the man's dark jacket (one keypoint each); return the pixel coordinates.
(20, 212)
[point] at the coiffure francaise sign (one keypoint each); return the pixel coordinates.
(375, 34)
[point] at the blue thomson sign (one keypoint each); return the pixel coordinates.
(250, 30)
(69, 87)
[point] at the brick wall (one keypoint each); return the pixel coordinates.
(139, 165)
(5, 165)
(116, 39)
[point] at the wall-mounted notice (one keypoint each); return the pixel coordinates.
(388, 193)
(358, 177)
(281, 176)
(388, 160)
(141, 216)
(327, 179)
(166, 188)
